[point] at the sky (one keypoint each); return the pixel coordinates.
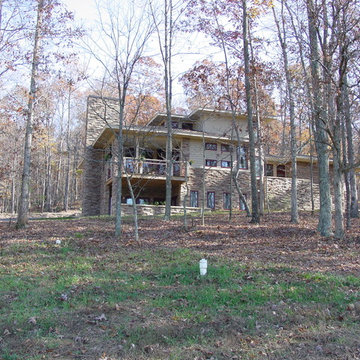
(193, 47)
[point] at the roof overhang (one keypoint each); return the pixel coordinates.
(107, 134)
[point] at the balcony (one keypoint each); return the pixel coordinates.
(153, 167)
(149, 168)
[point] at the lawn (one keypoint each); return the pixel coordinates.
(273, 291)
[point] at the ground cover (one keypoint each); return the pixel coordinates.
(273, 291)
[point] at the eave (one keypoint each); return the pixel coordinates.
(107, 134)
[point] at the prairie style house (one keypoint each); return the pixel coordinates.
(204, 143)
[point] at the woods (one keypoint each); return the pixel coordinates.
(291, 66)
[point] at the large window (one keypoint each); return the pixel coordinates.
(227, 201)
(243, 161)
(211, 146)
(210, 162)
(280, 171)
(139, 201)
(211, 199)
(194, 200)
(225, 164)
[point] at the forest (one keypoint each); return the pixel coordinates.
(291, 66)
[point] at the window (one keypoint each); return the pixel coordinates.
(211, 199)
(176, 169)
(209, 162)
(129, 165)
(269, 170)
(280, 171)
(225, 164)
(211, 146)
(242, 153)
(227, 201)
(129, 152)
(139, 201)
(194, 200)
(187, 126)
(257, 166)
(142, 201)
(174, 124)
(242, 203)
(225, 148)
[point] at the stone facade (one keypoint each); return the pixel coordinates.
(194, 148)
(217, 181)
(92, 181)
(278, 194)
(100, 113)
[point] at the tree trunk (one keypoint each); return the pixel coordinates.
(168, 99)
(67, 173)
(203, 183)
(258, 138)
(255, 218)
(354, 204)
(289, 85)
(134, 207)
(120, 150)
(186, 198)
(23, 209)
(320, 119)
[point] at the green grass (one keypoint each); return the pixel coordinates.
(165, 300)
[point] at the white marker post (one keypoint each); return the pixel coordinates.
(203, 267)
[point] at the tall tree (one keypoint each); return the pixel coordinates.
(255, 216)
(165, 32)
(289, 84)
(320, 122)
(124, 30)
(22, 218)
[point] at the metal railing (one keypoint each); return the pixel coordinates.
(153, 167)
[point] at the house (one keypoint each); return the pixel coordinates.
(204, 143)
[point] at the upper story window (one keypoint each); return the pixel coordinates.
(174, 124)
(269, 170)
(210, 162)
(225, 148)
(280, 171)
(211, 146)
(108, 153)
(242, 153)
(187, 126)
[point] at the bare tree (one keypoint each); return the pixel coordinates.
(124, 30)
(255, 217)
(289, 84)
(23, 209)
(165, 29)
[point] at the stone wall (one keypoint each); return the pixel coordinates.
(92, 181)
(218, 181)
(278, 192)
(101, 112)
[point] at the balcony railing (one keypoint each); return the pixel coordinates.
(153, 167)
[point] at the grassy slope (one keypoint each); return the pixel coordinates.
(94, 298)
